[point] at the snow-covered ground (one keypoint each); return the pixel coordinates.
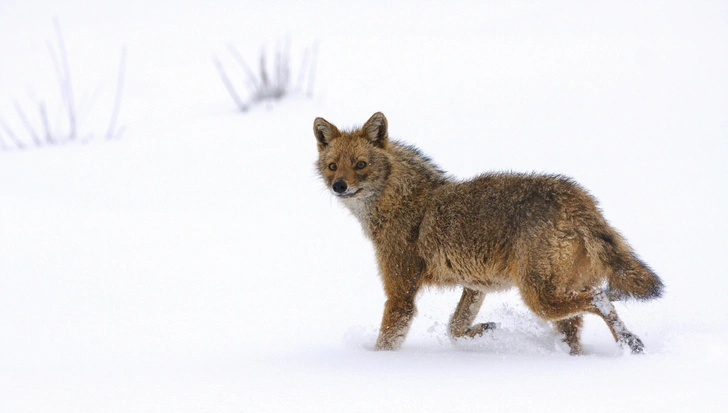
(197, 264)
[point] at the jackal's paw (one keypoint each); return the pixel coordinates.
(478, 329)
(574, 349)
(634, 342)
(388, 344)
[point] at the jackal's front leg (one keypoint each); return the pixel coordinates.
(398, 314)
(461, 323)
(401, 274)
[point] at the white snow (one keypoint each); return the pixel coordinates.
(197, 263)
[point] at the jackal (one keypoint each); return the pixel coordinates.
(541, 233)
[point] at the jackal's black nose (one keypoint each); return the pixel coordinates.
(339, 186)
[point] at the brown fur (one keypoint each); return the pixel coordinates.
(541, 233)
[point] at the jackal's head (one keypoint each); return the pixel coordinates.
(353, 164)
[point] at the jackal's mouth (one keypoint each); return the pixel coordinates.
(348, 193)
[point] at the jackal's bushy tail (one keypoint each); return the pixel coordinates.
(627, 275)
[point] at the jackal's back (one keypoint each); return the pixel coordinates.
(481, 227)
(480, 232)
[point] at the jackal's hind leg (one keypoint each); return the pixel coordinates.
(606, 310)
(461, 323)
(571, 329)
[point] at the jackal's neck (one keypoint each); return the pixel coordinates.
(399, 199)
(362, 208)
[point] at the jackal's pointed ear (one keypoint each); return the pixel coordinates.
(376, 130)
(324, 132)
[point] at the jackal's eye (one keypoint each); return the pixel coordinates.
(332, 166)
(361, 165)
